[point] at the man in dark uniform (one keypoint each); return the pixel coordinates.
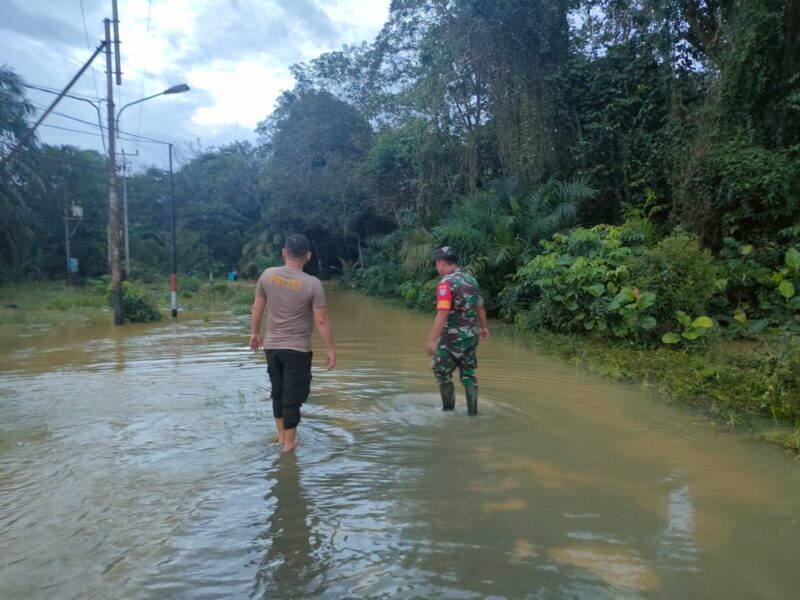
(459, 323)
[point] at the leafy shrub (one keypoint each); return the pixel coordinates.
(691, 329)
(137, 306)
(755, 296)
(680, 273)
(579, 284)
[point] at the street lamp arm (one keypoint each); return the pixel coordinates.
(175, 89)
(119, 112)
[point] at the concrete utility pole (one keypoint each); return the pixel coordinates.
(113, 205)
(173, 276)
(125, 213)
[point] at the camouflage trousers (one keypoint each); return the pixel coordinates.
(446, 360)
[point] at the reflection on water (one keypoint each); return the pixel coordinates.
(289, 567)
(138, 462)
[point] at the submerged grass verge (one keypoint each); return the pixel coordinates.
(749, 386)
(38, 304)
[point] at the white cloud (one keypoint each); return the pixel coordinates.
(243, 92)
(235, 55)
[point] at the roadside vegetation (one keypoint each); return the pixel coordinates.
(48, 304)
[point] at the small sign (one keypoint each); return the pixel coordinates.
(73, 265)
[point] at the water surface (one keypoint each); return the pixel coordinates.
(138, 462)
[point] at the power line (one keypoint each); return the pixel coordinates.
(60, 114)
(144, 71)
(88, 45)
(72, 130)
(130, 137)
(50, 90)
(41, 156)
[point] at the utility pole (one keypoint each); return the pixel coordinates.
(71, 213)
(113, 205)
(66, 227)
(125, 213)
(173, 277)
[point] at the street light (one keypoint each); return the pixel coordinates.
(175, 89)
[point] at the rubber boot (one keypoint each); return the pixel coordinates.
(448, 392)
(472, 399)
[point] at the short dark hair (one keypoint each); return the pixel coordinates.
(297, 245)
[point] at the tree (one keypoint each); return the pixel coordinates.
(220, 200)
(312, 177)
(15, 232)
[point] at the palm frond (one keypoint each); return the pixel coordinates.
(416, 252)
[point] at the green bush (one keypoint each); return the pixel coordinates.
(680, 273)
(137, 306)
(755, 296)
(580, 284)
(382, 280)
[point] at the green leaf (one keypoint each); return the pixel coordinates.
(740, 316)
(612, 287)
(671, 338)
(648, 323)
(703, 323)
(646, 300)
(786, 289)
(596, 290)
(793, 259)
(691, 335)
(683, 318)
(624, 296)
(588, 325)
(757, 326)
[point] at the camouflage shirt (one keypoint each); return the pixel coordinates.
(459, 293)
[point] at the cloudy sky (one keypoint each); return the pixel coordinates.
(234, 54)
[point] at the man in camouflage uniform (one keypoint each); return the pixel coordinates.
(460, 322)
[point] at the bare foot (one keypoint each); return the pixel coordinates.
(288, 447)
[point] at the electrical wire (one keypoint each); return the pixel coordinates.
(144, 71)
(88, 45)
(42, 88)
(72, 130)
(40, 156)
(65, 116)
(129, 137)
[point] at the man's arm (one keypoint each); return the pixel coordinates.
(484, 327)
(255, 322)
(439, 321)
(324, 327)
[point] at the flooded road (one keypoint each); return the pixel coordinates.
(138, 462)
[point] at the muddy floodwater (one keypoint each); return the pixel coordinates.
(139, 462)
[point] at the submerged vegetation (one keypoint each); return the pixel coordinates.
(37, 304)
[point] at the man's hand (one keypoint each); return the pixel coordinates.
(430, 348)
(255, 342)
(484, 333)
(331, 359)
